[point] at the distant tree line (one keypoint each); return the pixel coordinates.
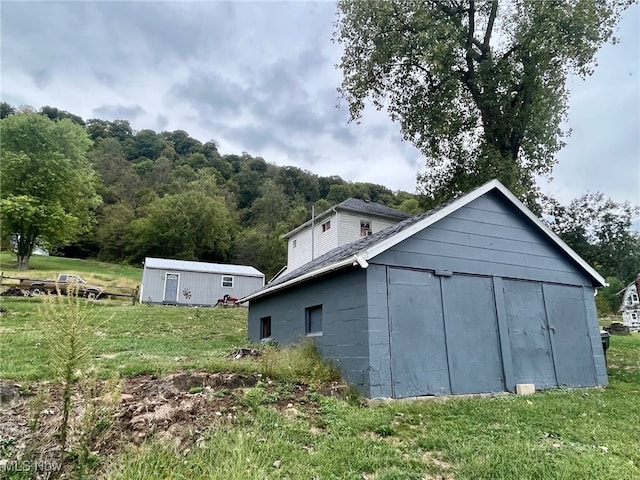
(120, 195)
(167, 194)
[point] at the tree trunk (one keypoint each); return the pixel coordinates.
(23, 262)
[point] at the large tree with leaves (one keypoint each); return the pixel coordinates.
(477, 86)
(48, 186)
(192, 225)
(599, 229)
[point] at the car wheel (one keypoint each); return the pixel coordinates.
(92, 295)
(36, 290)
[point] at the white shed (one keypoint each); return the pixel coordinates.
(181, 282)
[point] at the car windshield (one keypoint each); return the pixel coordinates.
(75, 278)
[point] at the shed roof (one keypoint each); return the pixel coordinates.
(202, 267)
(358, 252)
(355, 205)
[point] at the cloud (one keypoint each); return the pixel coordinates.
(212, 95)
(118, 112)
(260, 77)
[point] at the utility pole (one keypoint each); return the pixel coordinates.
(313, 230)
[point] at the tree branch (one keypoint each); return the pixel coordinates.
(449, 11)
(489, 31)
(471, 12)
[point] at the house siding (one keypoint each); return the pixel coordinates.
(349, 230)
(301, 253)
(486, 237)
(630, 308)
(344, 340)
(328, 240)
(196, 288)
(324, 241)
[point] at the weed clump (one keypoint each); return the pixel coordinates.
(87, 406)
(298, 363)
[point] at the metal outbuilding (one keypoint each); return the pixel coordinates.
(477, 295)
(181, 282)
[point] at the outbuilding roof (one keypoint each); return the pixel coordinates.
(354, 205)
(358, 252)
(202, 267)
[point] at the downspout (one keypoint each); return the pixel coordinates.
(359, 260)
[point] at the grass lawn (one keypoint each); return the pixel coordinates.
(127, 339)
(561, 434)
(47, 267)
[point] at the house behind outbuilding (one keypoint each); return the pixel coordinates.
(181, 282)
(630, 307)
(339, 225)
(475, 296)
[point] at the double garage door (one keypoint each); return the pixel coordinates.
(472, 334)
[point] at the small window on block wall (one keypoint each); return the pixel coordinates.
(265, 328)
(313, 320)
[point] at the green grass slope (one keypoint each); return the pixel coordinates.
(559, 434)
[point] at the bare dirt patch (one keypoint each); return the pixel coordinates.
(178, 410)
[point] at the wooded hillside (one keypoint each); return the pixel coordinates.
(167, 194)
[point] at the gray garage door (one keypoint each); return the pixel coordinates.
(445, 338)
(418, 347)
(529, 334)
(570, 342)
(473, 345)
(436, 351)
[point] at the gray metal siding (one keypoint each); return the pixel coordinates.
(195, 288)
(344, 340)
(486, 237)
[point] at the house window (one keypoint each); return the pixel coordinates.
(295, 243)
(326, 226)
(634, 298)
(227, 281)
(634, 316)
(313, 320)
(265, 328)
(365, 228)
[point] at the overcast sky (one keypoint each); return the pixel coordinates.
(260, 77)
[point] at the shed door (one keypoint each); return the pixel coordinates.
(418, 347)
(473, 343)
(171, 287)
(529, 334)
(570, 341)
